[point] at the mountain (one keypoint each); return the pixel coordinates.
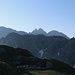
(10, 58)
(13, 55)
(36, 44)
(51, 33)
(5, 31)
(56, 33)
(41, 46)
(17, 61)
(39, 31)
(68, 52)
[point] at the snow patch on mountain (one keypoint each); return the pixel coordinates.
(74, 66)
(41, 53)
(58, 53)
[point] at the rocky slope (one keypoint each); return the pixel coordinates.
(68, 52)
(43, 46)
(38, 45)
(17, 61)
(51, 33)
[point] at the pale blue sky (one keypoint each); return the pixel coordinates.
(26, 15)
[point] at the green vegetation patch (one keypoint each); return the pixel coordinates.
(47, 72)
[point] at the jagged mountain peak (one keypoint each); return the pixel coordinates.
(5, 31)
(51, 33)
(39, 31)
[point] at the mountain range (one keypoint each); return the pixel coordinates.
(36, 49)
(5, 31)
(42, 46)
(51, 33)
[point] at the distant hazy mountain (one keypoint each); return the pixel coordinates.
(56, 33)
(39, 31)
(56, 47)
(51, 33)
(5, 31)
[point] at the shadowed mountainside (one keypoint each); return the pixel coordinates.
(42, 46)
(17, 61)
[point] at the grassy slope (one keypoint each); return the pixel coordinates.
(46, 72)
(59, 68)
(6, 69)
